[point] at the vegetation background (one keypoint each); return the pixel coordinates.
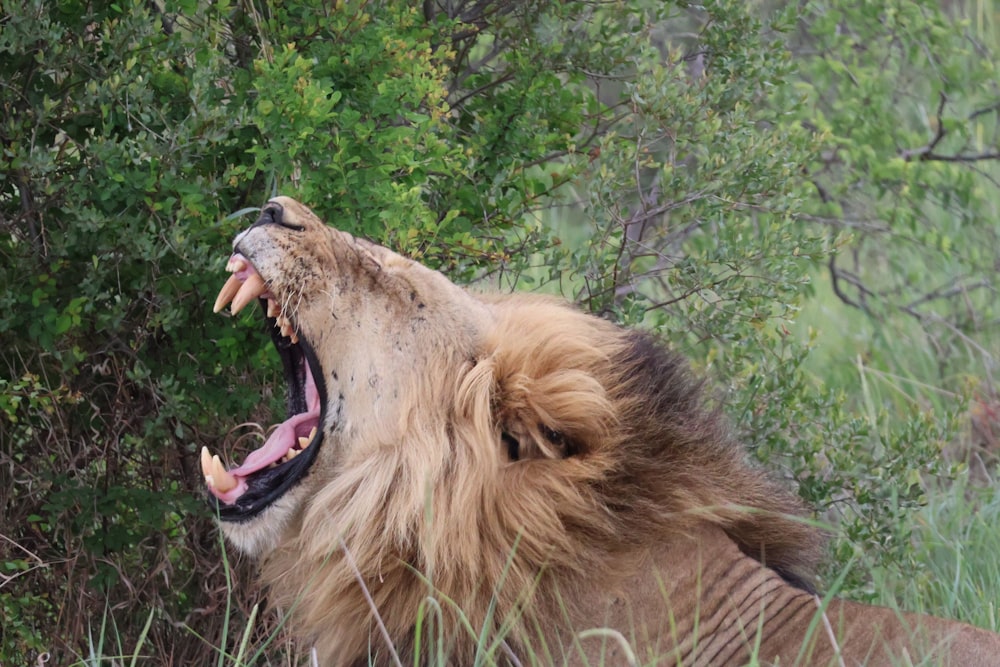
(803, 197)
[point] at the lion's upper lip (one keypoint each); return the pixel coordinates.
(270, 470)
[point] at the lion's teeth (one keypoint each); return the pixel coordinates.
(285, 326)
(221, 478)
(292, 453)
(235, 264)
(306, 440)
(206, 462)
(251, 289)
(273, 309)
(227, 293)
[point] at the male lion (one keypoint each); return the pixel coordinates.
(470, 478)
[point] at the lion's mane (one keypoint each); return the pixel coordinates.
(614, 450)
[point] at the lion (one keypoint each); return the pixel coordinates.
(467, 478)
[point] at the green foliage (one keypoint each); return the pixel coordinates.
(693, 169)
(111, 189)
(370, 116)
(904, 97)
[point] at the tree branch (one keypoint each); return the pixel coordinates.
(836, 275)
(927, 154)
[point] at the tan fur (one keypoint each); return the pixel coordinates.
(622, 503)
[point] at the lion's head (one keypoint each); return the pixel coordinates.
(508, 456)
(357, 329)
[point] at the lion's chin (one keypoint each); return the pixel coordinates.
(260, 535)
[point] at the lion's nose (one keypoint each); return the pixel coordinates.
(271, 214)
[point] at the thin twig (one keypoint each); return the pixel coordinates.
(836, 275)
(942, 293)
(371, 603)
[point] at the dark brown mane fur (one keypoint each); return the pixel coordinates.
(617, 451)
(681, 455)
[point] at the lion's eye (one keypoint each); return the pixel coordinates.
(553, 436)
(560, 441)
(513, 446)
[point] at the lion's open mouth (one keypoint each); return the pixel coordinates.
(272, 469)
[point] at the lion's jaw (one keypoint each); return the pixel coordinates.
(355, 341)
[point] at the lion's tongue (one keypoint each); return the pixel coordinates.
(286, 436)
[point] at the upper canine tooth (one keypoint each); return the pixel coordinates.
(226, 294)
(251, 289)
(206, 463)
(273, 309)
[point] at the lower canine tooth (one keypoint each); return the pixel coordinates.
(206, 463)
(223, 480)
(306, 441)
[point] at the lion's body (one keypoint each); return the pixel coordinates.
(499, 473)
(699, 601)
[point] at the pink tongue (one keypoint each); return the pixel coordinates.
(285, 437)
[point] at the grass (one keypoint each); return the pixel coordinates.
(959, 545)
(957, 541)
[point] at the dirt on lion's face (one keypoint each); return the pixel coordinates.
(513, 472)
